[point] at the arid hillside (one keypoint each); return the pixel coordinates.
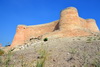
(57, 52)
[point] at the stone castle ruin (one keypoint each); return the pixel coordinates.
(69, 25)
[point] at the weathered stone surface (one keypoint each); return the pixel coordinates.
(69, 25)
(69, 19)
(24, 33)
(91, 25)
(19, 36)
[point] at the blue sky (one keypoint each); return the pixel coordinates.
(33, 12)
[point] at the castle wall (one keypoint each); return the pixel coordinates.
(19, 36)
(69, 24)
(39, 30)
(24, 33)
(69, 19)
(91, 25)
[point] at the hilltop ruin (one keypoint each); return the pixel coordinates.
(69, 25)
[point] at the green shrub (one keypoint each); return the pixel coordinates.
(99, 38)
(96, 63)
(42, 57)
(8, 58)
(89, 40)
(40, 63)
(45, 39)
(79, 39)
(1, 52)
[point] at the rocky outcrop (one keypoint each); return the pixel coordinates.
(69, 24)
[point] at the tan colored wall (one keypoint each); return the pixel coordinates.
(83, 22)
(91, 24)
(70, 24)
(19, 36)
(24, 33)
(69, 19)
(35, 31)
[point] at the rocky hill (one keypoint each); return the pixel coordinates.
(57, 52)
(69, 25)
(70, 41)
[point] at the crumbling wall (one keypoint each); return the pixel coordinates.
(19, 36)
(24, 33)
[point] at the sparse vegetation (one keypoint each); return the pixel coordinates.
(8, 58)
(72, 51)
(75, 53)
(40, 63)
(85, 59)
(99, 38)
(1, 52)
(96, 63)
(22, 61)
(89, 40)
(79, 39)
(94, 39)
(42, 57)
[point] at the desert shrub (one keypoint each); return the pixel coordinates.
(22, 60)
(43, 54)
(94, 39)
(45, 39)
(40, 63)
(96, 63)
(72, 51)
(79, 39)
(99, 38)
(89, 40)
(1, 52)
(8, 58)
